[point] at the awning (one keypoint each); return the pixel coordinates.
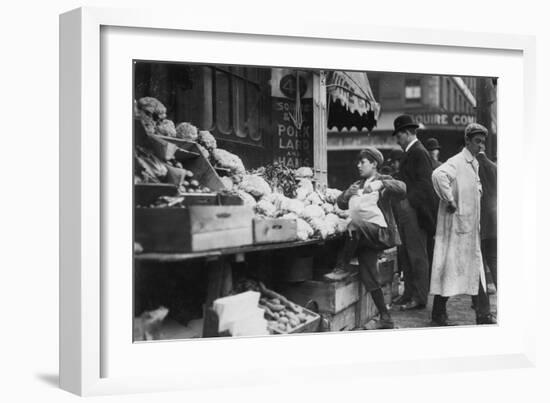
(353, 92)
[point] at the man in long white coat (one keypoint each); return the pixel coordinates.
(457, 263)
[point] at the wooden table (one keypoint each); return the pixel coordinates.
(220, 276)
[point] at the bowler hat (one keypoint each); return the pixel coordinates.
(402, 122)
(432, 144)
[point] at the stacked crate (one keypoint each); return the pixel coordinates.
(344, 305)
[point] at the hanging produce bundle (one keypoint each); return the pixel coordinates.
(281, 178)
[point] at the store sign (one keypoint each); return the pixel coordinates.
(288, 86)
(293, 146)
(444, 119)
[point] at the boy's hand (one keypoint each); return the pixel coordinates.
(374, 186)
(353, 190)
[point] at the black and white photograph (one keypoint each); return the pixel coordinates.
(282, 200)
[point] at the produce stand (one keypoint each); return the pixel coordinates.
(216, 195)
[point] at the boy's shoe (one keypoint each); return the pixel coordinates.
(385, 322)
(486, 320)
(338, 274)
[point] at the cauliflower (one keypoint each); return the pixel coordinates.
(186, 131)
(225, 159)
(306, 184)
(304, 230)
(328, 208)
(152, 107)
(237, 178)
(292, 206)
(312, 211)
(207, 140)
(227, 183)
(255, 185)
(314, 199)
(166, 128)
(342, 225)
(338, 225)
(278, 199)
(246, 198)
(302, 194)
(322, 228)
(331, 217)
(332, 194)
(304, 172)
(263, 207)
(290, 216)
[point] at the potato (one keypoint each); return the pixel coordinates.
(284, 320)
(291, 316)
(302, 317)
(294, 322)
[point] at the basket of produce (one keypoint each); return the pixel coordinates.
(283, 316)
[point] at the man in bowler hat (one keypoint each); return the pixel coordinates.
(418, 214)
(433, 147)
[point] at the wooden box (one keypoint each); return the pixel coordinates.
(387, 265)
(270, 230)
(331, 297)
(193, 229)
(343, 320)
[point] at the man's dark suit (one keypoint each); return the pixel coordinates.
(416, 171)
(417, 221)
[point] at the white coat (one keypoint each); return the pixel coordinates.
(457, 262)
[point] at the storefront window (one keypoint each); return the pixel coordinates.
(236, 101)
(413, 90)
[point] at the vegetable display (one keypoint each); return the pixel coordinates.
(273, 191)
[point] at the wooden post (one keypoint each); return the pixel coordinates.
(320, 129)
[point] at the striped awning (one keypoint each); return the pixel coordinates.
(352, 90)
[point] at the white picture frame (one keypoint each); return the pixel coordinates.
(89, 316)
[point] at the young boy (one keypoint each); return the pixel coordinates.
(363, 202)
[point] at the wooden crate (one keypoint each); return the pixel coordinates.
(365, 308)
(193, 229)
(146, 194)
(387, 265)
(270, 230)
(331, 297)
(343, 320)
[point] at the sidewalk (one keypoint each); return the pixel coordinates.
(458, 308)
